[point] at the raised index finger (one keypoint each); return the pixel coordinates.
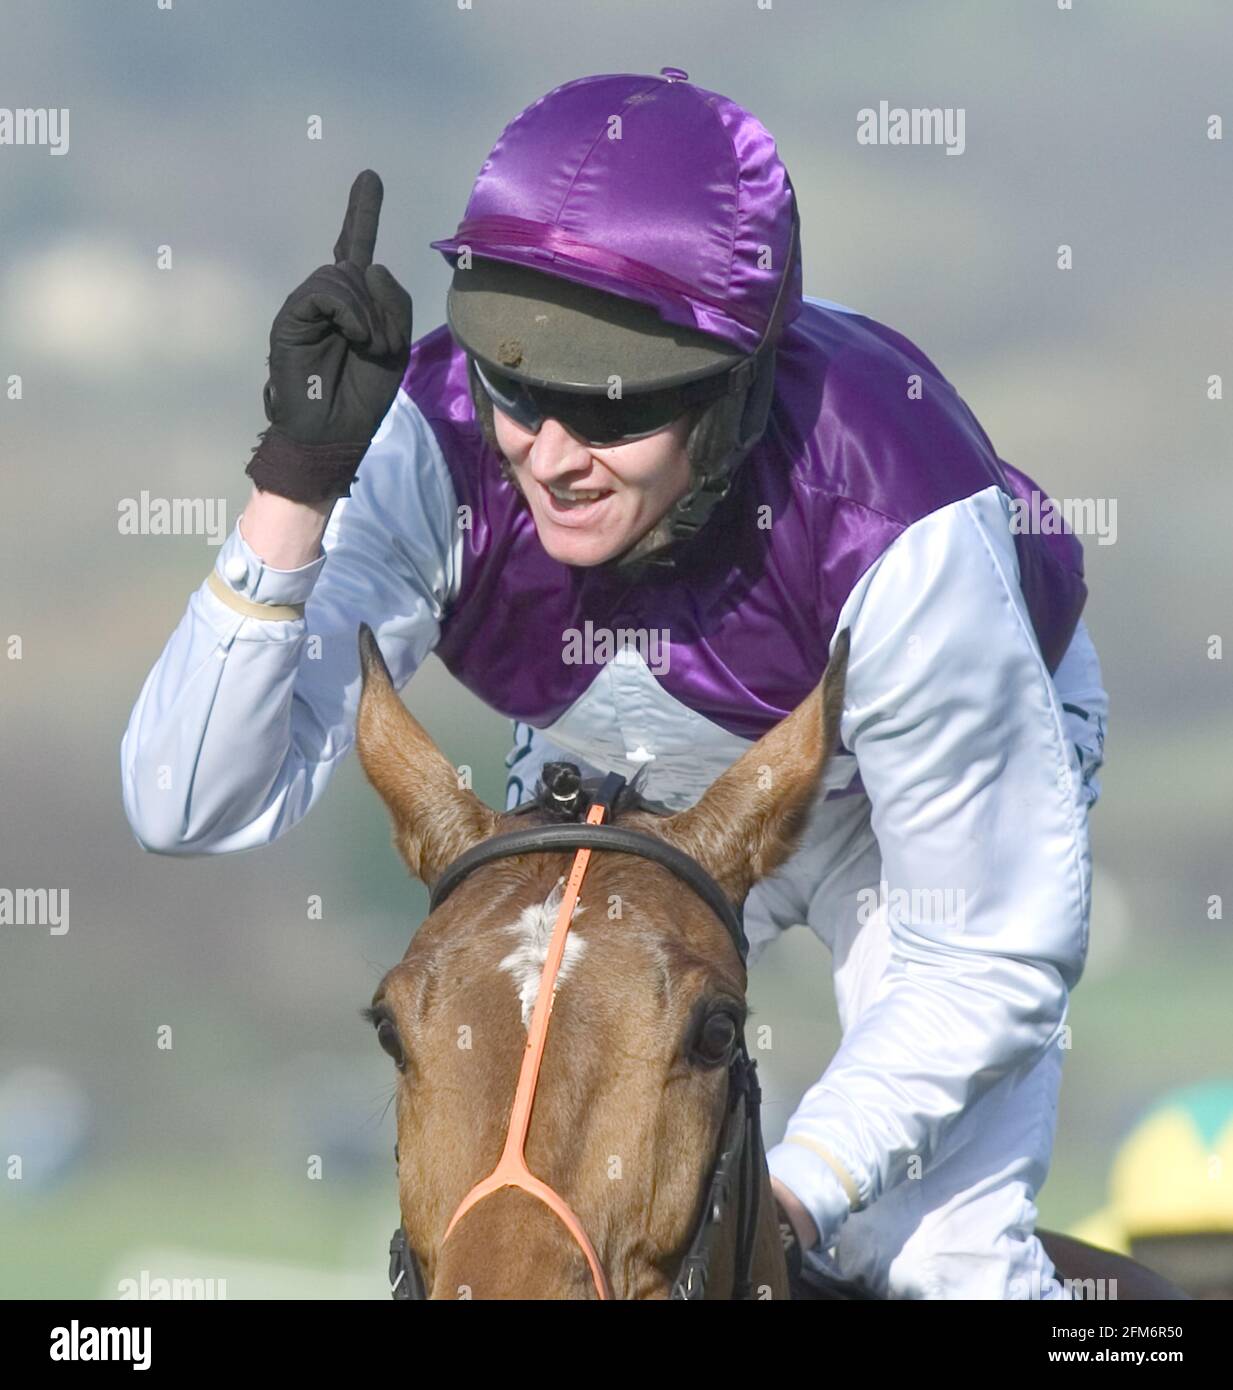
(358, 237)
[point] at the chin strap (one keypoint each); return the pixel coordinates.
(753, 383)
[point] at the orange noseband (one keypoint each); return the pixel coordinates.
(511, 1169)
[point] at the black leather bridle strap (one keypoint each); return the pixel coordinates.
(750, 1180)
(736, 1178)
(406, 1278)
(616, 839)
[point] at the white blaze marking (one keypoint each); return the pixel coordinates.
(526, 961)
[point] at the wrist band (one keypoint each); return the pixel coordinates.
(850, 1189)
(267, 612)
(304, 472)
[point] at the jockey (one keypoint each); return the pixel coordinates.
(630, 495)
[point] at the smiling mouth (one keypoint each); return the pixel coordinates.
(575, 499)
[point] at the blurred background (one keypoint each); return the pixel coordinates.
(1088, 127)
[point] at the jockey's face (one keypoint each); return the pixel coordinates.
(591, 503)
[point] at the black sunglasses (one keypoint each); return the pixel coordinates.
(595, 418)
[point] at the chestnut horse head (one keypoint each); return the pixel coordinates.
(632, 1100)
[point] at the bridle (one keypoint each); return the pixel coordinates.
(737, 1172)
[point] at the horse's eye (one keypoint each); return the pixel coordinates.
(715, 1038)
(387, 1036)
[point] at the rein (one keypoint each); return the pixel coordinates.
(738, 1168)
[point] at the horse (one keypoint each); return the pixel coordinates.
(617, 1154)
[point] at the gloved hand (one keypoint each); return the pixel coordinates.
(821, 1280)
(338, 351)
(791, 1244)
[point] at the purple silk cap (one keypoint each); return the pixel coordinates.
(645, 187)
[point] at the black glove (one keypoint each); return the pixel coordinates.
(348, 324)
(791, 1246)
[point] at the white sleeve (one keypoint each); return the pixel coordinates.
(980, 814)
(243, 718)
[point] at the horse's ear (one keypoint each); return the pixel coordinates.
(747, 821)
(435, 819)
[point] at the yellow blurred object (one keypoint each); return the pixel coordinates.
(1173, 1175)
